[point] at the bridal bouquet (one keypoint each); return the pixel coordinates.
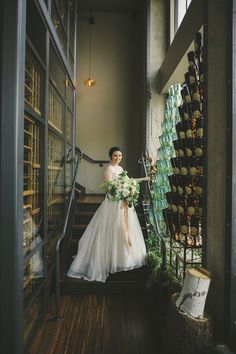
(123, 189)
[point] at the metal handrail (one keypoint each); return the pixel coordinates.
(58, 244)
(89, 159)
(161, 238)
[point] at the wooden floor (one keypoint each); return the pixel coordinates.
(102, 324)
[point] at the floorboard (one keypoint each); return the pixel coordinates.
(102, 324)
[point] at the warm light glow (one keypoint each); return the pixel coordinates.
(89, 82)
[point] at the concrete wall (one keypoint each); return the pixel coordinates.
(111, 112)
(158, 47)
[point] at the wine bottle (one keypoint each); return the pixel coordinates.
(188, 128)
(184, 165)
(199, 206)
(181, 204)
(199, 165)
(198, 46)
(175, 163)
(176, 147)
(192, 59)
(180, 130)
(187, 111)
(193, 170)
(181, 112)
(187, 80)
(196, 109)
(192, 75)
(169, 199)
(201, 78)
(195, 93)
(184, 226)
(181, 148)
(180, 185)
(173, 183)
(188, 184)
(198, 149)
(188, 143)
(185, 93)
(199, 127)
(174, 202)
(175, 226)
(194, 225)
(198, 185)
(191, 207)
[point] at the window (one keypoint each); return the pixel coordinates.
(178, 10)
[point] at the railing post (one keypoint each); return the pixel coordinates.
(57, 285)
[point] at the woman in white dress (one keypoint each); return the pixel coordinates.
(106, 245)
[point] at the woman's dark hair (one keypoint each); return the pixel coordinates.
(113, 149)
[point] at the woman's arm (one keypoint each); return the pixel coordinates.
(107, 176)
(143, 179)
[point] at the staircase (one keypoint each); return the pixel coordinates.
(132, 281)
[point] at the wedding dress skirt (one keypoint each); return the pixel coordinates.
(104, 247)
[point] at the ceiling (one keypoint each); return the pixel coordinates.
(111, 5)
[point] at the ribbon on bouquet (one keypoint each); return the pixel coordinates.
(126, 213)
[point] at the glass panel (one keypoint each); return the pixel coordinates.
(69, 169)
(71, 62)
(188, 2)
(72, 24)
(63, 10)
(32, 221)
(33, 318)
(56, 109)
(35, 29)
(55, 191)
(69, 126)
(181, 10)
(70, 96)
(33, 276)
(57, 74)
(34, 82)
(58, 26)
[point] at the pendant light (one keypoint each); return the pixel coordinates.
(89, 82)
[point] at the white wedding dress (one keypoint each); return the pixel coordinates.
(104, 247)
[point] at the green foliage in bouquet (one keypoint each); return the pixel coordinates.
(123, 189)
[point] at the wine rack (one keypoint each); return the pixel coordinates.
(33, 82)
(31, 184)
(69, 125)
(55, 109)
(55, 184)
(184, 213)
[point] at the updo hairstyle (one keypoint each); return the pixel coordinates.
(113, 149)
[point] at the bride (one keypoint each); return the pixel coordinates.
(108, 244)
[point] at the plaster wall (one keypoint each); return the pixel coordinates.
(216, 155)
(111, 112)
(158, 48)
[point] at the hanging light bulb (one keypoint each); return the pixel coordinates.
(89, 82)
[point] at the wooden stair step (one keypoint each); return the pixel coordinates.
(79, 226)
(133, 281)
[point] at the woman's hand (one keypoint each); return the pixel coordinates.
(143, 179)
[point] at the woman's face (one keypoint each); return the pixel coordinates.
(116, 157)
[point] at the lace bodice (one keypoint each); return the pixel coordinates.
(112, 172)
